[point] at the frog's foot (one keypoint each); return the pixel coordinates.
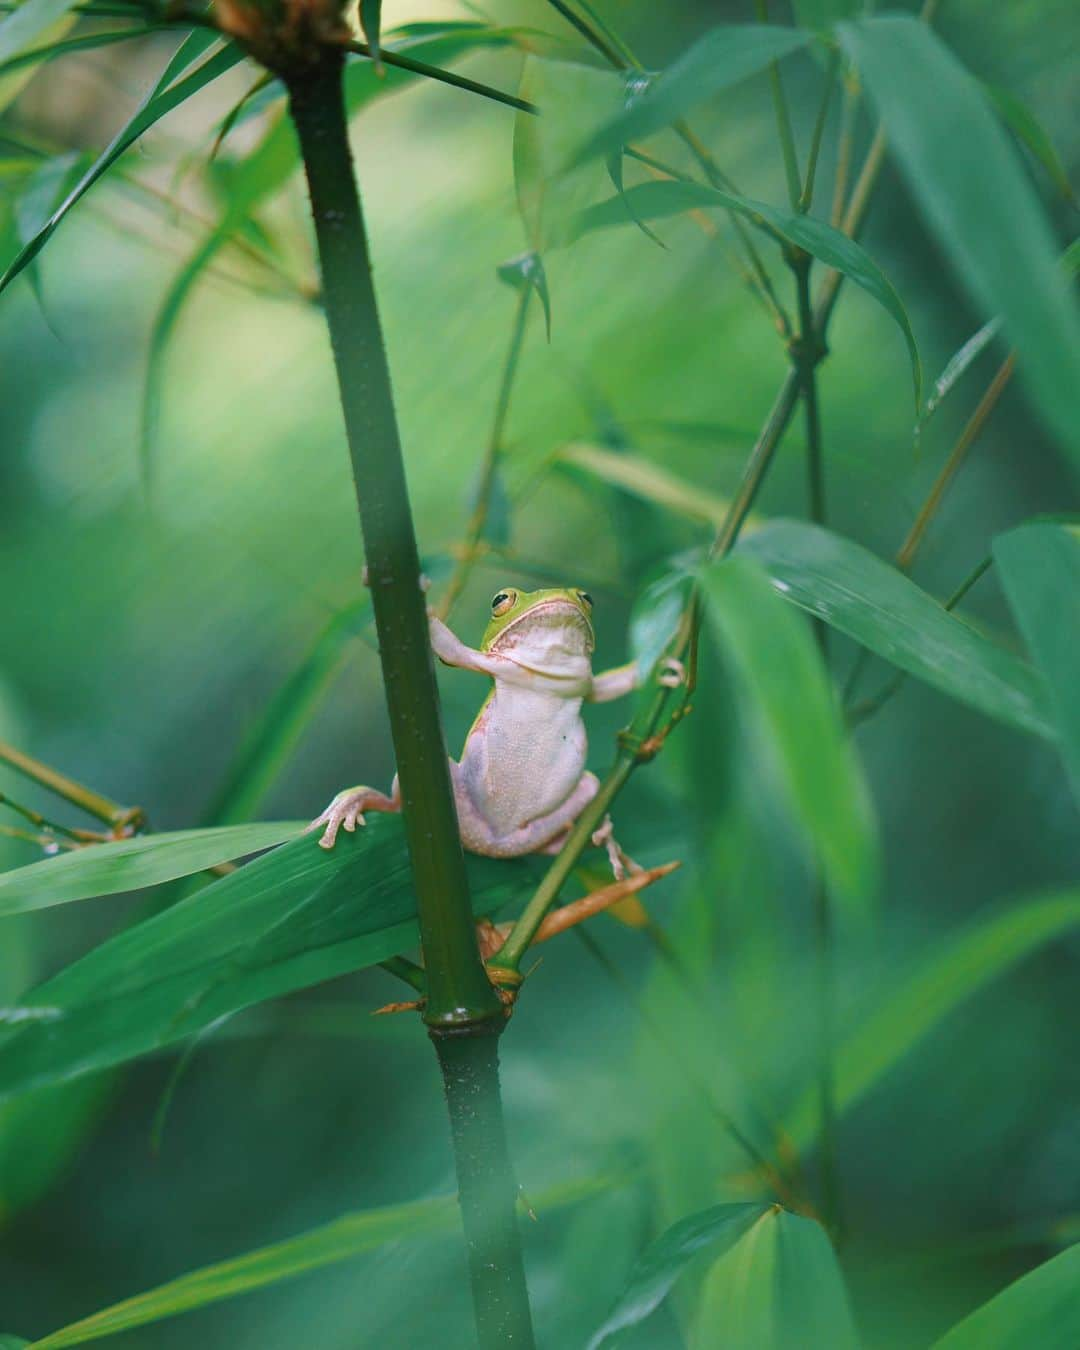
(604, 837)
(348, 809)
(673, 673)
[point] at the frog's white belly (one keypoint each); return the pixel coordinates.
(524, 756)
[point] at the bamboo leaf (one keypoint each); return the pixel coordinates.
(370, 22)
(653, 622)
(277, 732)
(723, 57)
(853, 591)
(21, 29)
(954, 971)
(65, 46)
(349, 1236)
(131, 864)
(1040, 571)
(1019, 118)
(782, 678)
(958, 365)
(528, 270)
(646, 480)
(290, 919)
(661, 1264)
(172, 90)
(1042, 1308)
(977, 199)
(778, 1288)
(672, 197)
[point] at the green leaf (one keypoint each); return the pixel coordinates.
(351, 1235)
(954, 971)
(170, 91)
(1019, 118)
(1040, 571)
(782, 678)
(958, 365)
(63, 47)
(247, 183)
(723, 57)
(672, 197)
(528, 270)
(646, 480)
(370, 22)
(276, 733)
(292, 918)
(529, 177)
(661, 1264)
(12, 1343)
(1041, 1309)
(779, 1288)
(653, 622)
(853, 591)
(21, 29)
(977, 199)
(130, 864)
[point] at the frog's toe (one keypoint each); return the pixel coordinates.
(604, 837)
(673, 673)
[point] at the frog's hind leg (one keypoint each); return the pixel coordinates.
(348, 807)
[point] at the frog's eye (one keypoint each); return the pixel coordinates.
(584, 595)
(503, 602)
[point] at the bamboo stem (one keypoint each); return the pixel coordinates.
(463, 1011)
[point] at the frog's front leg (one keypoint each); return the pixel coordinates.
(348, 809)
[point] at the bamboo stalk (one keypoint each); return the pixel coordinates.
(463, 1012)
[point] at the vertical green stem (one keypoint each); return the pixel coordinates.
(806, 353)
(470, 1067)
(463, 1012)
(783, 120)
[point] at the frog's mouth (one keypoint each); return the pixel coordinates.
(547, 634)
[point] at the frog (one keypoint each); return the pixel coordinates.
(521, 781)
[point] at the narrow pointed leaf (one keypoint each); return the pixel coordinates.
(958, 365)
(169, 93)
(853, 591)
(528, 270)
(1042, 1308)
(672, 197)
(278, 731)
(977, 199)
(722, 58)
(370, 22)
(130, 864)
(65, 46)
(1019, 118)
(1040, 571)
(290, 919)
(780, 1287)
(644, 479)
(20, 30)
(349, 1236)
(782, 679)
(661, 1264)
(953, 972)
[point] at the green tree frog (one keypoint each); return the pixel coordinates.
(521, 781)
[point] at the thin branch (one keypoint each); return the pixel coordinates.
(403, 62)
(783, 118)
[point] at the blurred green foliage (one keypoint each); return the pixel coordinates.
(145, 634)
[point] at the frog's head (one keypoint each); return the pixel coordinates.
(541, 629)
